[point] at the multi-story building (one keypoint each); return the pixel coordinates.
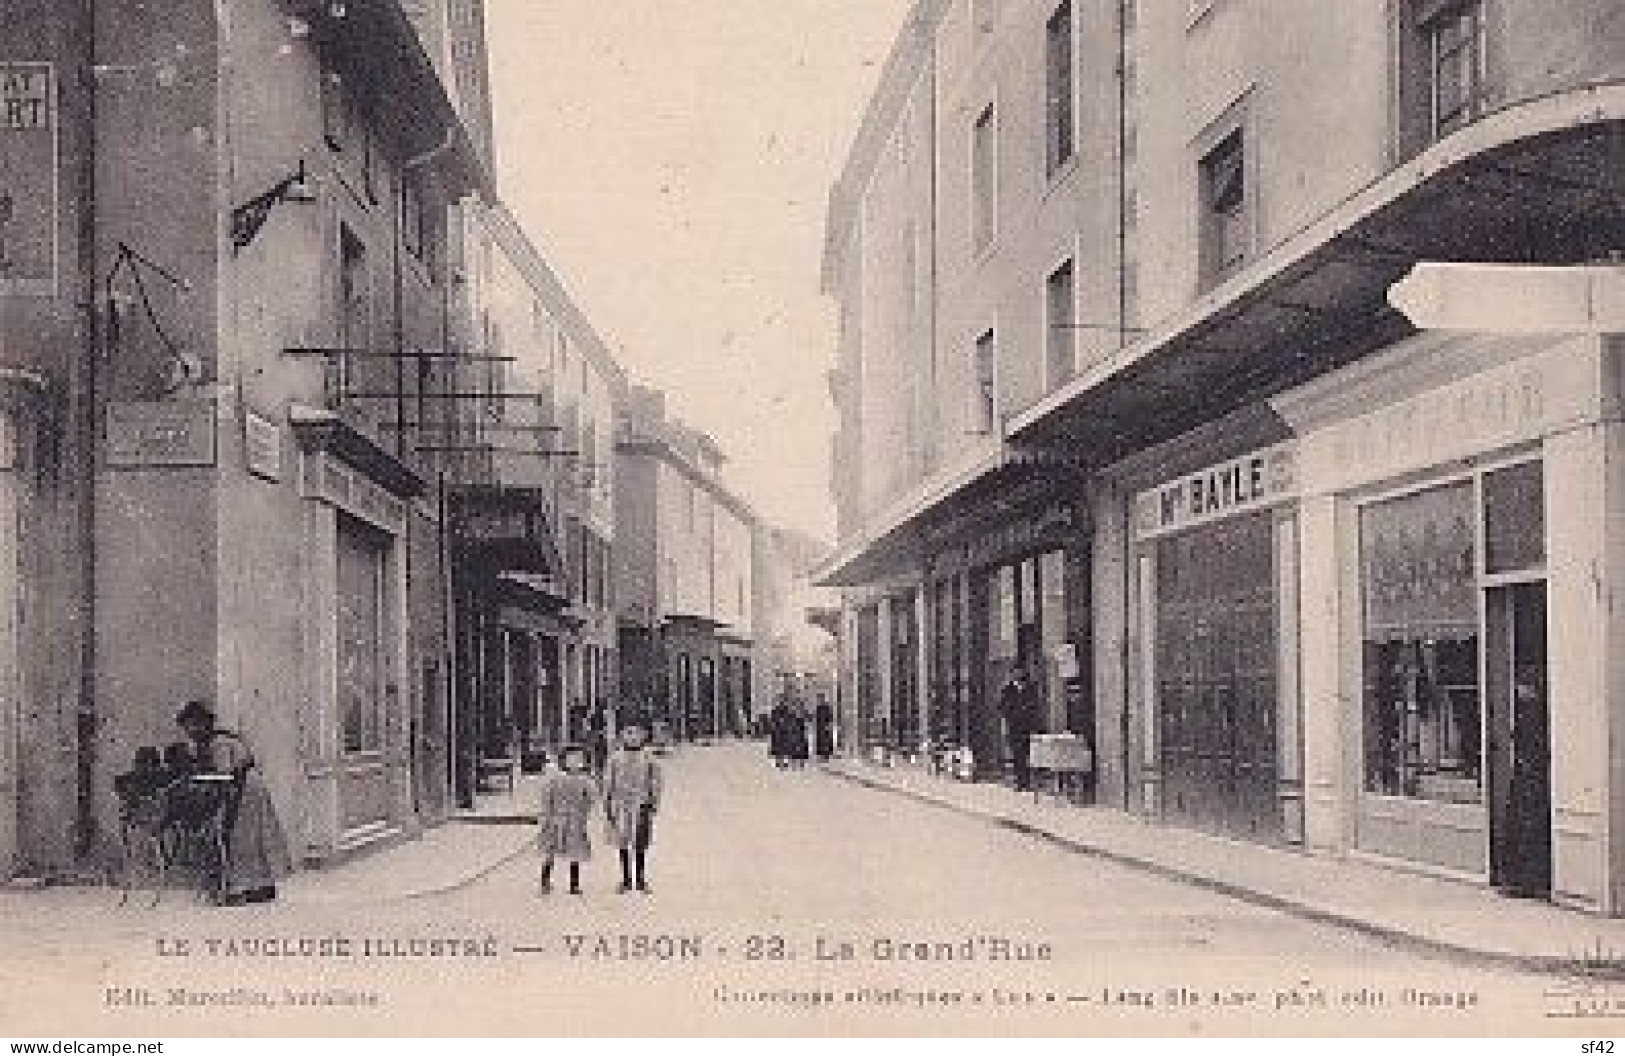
(971, 228)
(539, 641)
(1295, 467)
(792, 654)
(683, 574)
(226, 347)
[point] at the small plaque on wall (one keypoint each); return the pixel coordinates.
(166, 433)
(262, 446)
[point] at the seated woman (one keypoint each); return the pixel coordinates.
(256, 852)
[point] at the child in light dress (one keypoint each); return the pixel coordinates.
(567, 802)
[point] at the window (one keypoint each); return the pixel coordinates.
(345, 129)
(1443, 69)
(355, 296)
(1515, 519)
(1058, 62)
(985, 411)
(1060, 341)
(495, 375)
(420, 221)
(1423, 709)
(984, 157)
(1453, 34)
(1226, 234)
(336, 116)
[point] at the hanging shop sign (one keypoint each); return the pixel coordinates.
(262, 446)
(28, 179)
(1250, 482)
(160, 433)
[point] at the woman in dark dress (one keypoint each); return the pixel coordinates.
(824, 730)
(256, 851)
(779, 734)
(798, 748)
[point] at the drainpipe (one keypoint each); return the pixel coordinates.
(414, 670)
(83, 414)
(1122, 339)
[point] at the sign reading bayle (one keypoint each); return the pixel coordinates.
(1230, 487)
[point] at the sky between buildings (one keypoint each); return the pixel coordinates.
(673, 160)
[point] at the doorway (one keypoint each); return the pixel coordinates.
(1519, 740)
(366, 692)
(1216, 678)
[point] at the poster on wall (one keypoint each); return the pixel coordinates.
(28, 179)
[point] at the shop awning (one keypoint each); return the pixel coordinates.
(887, 537)
(505, 530)
(1543, 182)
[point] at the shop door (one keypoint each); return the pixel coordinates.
(1216, 678)
(870, 721)
(432, 774)
(905, 724)
(363, 686)
(524, 701)
(708, 697)
(549, 692)
(1520, 744)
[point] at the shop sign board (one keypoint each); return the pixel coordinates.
(161, 433)
(262, 446)
(1048, 527)
(1239, 485)
(28, 179)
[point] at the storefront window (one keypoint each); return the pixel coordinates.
(1514, 519)
(1003, 616)
(1423, 706)
(360, 632)
(1052, 618)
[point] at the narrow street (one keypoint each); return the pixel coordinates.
(774, 910)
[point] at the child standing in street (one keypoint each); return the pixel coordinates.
(567, 802)
(631, 797)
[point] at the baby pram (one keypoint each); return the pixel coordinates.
(169, 819)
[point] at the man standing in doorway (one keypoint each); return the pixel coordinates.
(1019, 705)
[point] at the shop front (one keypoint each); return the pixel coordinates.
(733, 684)
(995, 592)
(1458, 530)
(526, 699)
(359, 783)
(691, 653)
(1214, 559)
(511, 625)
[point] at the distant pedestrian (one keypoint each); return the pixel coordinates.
(1018, 704)
(780, 733)
(567, 802)
(798, 739)
(632, 792)
(598, 739)
(824, 730)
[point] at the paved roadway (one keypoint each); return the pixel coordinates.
(784, 902)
